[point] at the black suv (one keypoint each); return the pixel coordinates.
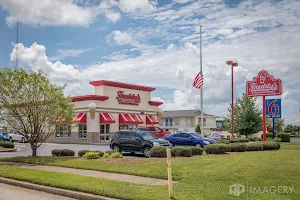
(135, 141)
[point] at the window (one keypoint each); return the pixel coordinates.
(171, 121)
(63, 131)
(142, 129)
(152, 129)
(82, 131)
(183, 135)
(176, 121)
(158, 129)
(166, 122)
(161, 121)
(204, 121)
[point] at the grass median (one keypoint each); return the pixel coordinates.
(200, 177)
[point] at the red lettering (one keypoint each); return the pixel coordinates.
(128, 99)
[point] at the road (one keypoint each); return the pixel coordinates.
(45, 149)
(9, 192)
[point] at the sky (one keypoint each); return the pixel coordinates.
(156, 43)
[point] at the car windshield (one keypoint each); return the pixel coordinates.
(146, 135)
(4, 133)
(196, 135)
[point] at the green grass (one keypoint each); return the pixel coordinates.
(200, 177)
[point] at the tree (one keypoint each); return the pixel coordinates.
(289, 128)
(197, 129)
(279, 124)
(32, 105)
(247, 116)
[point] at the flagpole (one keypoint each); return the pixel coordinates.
(201, 91)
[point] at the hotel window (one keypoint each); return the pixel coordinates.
(63, 131)
(82, 131)
(166, 121)
(161, 121)
(171, 121)
(204, 121)
(176, 121)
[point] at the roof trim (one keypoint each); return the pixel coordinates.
(155, 103)
(89, 97)
(122, 85)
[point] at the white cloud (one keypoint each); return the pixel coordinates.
(47, 12)
(144, 6)
(120, 38)
(63, 53)
(113, 16)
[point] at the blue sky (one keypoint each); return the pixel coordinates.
(156, 43)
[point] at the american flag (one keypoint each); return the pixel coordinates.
(198, 81)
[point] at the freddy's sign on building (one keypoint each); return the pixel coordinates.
(263, 84)
(128, 99)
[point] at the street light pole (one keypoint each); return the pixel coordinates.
(233, 64)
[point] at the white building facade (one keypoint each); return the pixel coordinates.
(114, 106)
(186, 120)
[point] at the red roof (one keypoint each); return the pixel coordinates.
(122, 85)
(130, 119)
(80, 118)
(155, 103)
(106, 118)
(89, 97)
(150, 119)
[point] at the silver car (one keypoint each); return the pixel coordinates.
(215, 136)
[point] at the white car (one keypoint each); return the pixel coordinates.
(16, 136)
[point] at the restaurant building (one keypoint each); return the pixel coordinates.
(114, 106)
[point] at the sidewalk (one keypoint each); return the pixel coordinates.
(94, 174)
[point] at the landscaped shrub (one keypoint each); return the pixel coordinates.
(285, 137)
(106, 155)
(159, 152)
(197, 150)
(257, 139)
(237, 147)
(109, 152)
(62, 152)
(268, 135)
(116, 155)
(100, 153)
(277, 140)
(181, 151)
(254, 147)
(222, 142)
(216, 148)
(243, 140)
(7, 144)
(234, 141)
(271, 146)
(91, 155)
(82, 152)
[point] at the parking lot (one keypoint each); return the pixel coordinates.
(45, 149)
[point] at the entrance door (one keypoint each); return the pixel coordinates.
(104, 133)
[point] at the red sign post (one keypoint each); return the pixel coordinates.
(264, 85)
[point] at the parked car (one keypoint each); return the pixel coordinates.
(135, 141)
(3, 136)
(16, 136)
(215, 136)
(158, 132)
(188, 139)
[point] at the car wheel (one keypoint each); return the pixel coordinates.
(116, 148)
(132, 153)
(146, 151)
(172, 144)
(10, 139)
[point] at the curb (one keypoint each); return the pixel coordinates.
(56, 191)
(9, 150)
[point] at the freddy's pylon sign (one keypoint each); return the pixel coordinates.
(264, 85)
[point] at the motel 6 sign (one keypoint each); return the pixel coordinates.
(273, 108)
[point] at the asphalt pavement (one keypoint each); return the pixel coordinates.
(9, 192)
(23, 149)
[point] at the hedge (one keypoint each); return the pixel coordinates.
(159, 152)
(112, 154)
(197, 150)
(82, 152)
(182, 151)
(62, 152)
(285, 137)
(271, 146)
(239, 140)
(254, 147)
(7, 144)
(237, 147)
(216, 148)
(91, 155)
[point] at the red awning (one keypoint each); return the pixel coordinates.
(106, 118)
(130, 119)
(80, 118)
(150, 119)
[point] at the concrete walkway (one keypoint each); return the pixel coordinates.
(92, 173)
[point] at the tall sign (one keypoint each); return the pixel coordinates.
(264, 85)
(273, 110)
